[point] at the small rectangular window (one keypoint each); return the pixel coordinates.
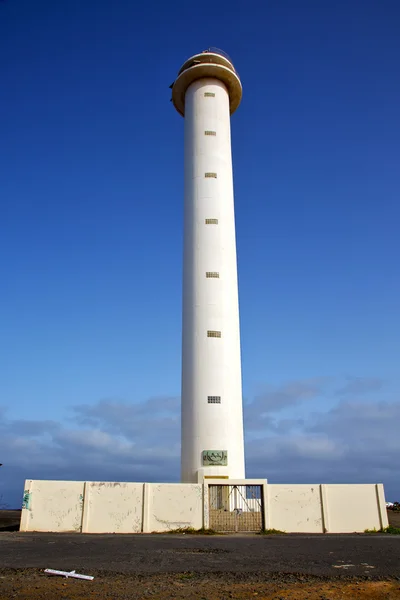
(209, 94)
(211, 221)
(210, 175)
(210, 133)
(212, 274)
(214, 399)
(216, 334)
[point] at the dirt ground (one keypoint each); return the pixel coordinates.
(394, 518)
(35, 585)
(9, 520)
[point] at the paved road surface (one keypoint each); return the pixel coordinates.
(322, 555)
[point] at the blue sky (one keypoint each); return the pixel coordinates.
(91, 185)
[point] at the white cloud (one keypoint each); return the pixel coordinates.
(275, 399)
(353, 441)
(360, 385)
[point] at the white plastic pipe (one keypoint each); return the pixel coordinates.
(68, 574)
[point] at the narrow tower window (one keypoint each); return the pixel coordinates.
(214, 399)
(207, 132)
(209, 94)
(212, 274)
(210, 175)
(216, 334)
(211, 221)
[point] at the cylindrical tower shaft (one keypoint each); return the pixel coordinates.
(212, 420)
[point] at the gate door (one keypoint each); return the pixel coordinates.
(236, 507)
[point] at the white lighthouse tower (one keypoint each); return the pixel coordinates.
(206, 92)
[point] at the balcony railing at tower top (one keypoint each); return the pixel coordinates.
(213, 50)
(210, 50)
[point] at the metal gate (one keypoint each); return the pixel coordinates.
(236, 507)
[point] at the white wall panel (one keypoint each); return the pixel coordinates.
(295, 508)
(174, 506)
(52, 506)
(113, 507)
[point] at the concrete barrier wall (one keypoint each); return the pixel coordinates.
(323, 508)
(52, 506)
(174, 506)
(117, 507)
(112, 507)
(352, 508)
(295, 508)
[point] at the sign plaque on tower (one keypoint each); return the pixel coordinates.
(217, 458)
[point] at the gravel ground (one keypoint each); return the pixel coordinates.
(374, 555)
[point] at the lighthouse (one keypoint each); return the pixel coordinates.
(206, 92)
